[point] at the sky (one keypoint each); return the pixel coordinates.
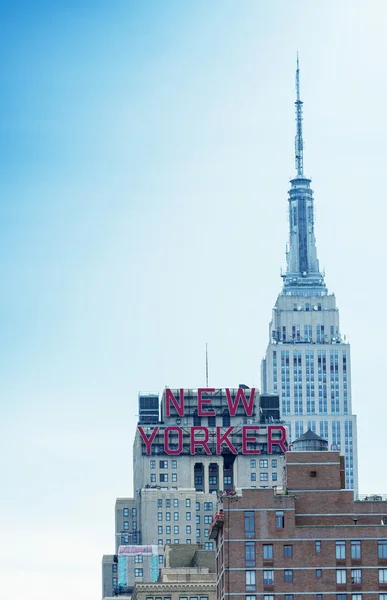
(146, 149)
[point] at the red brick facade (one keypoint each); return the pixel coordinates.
(312, 541)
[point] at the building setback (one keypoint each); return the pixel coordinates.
(312, 541)
(308, 361)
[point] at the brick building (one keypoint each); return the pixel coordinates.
(309, 540)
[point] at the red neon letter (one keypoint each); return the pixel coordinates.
(202, 401)
(249, 440)
(148, 441)
(233, 406)
(271, 441)
(169, 397)
(203, 443)
(224, 438)
(169, 450)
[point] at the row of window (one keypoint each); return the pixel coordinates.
(318, 597)
(263, 477)
(355, 545)
(163, 464)
(188, 529)
(341, 577)
(168, 502)
(168, 541)
(126, 512)
(181, 598)
(250, 522)
(263, 463)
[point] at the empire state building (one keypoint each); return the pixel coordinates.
(307, 362)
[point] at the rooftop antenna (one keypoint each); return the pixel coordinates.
(206, 365)
(299, 143)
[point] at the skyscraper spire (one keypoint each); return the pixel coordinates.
(303, 276)
(299, 142)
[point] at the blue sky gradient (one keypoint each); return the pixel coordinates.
(145, 153)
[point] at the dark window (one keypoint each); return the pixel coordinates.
(211, 421)
(250, 554)
(280, 519)
(268, 577)
(226, 418)
(382, 549)
(355, 549)
(288, 551)
(288, 576)
(196, 419)
(249, 524)
(318, 546)
(319, 597)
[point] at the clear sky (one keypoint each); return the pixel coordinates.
(146, 148)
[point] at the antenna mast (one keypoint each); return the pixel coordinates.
(299, 143)
(206, 365)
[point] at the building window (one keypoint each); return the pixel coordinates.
(288, 551)
(187, 516)
(160, 542)
(382, 596)
(263, 463)
(264, 477)
(188, 528)
(126, 524)
(174, 464)
(198, 480)
(176, 503)
(227, 479)
(168, 503)
(134, 525)
(125, 539)
(251, 597)
(126, 512)
(188, 502)
(152, 464)
(382, 549)
(268, 577)
(160, 530)
(175, 516)
(253, 476)
(249, 524)
(288, 596)
(208, 519)
(356, 575)
(274, 476)
(226, 418)
(208, 506)
(159, 503)
(250, 554)
(138, 572)
(355, 550)
(164, 477)
(318, 573)
(168, 529)
(253, 463)
(280, 519)
(382, 575)
(197, 519)
(341, 596)
(267, 551)
(197, 505)
(206, 533)
(318, 546)
(134, 512)
(188, 541)
(114, 568)
(250, 580)
(211, 421)
(198, 533)
(288, 576)
(115, 581)
(168, 541)
(168, 516)
(153, 477)
(163, 464)
(213, 479)
(268, 597)
(340, 550)
(138, 558)
(357, 597)
(176, 530)
(341, 576)
(319, 597)
(174, 476)
(208, 546)
(274, 463)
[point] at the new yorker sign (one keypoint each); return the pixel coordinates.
(199, 436)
